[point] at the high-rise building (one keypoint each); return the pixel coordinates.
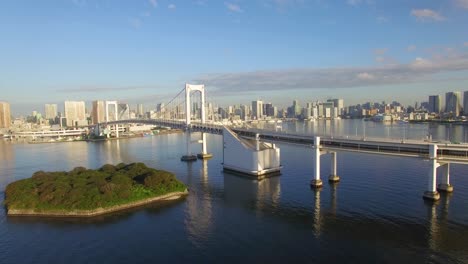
(5, 115)
(339, 104)
(140, 112)
(50, 111)
(75, 113)
(465, 103)
(452, 103)
(434, 104)
(257, 109)
(98, 114)
(296, 108)
(268, 110)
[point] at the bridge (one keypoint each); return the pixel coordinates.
(252, 151)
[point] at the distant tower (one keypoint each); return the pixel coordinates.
(452, 103)
(465, 103)
(50, 111)
(434, 104)
(257, 109)
(5, 115)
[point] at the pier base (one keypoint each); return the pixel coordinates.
(315, 184)
(333, 178)
(188, 158)
(433, 196)
(204, 156)
(444, 187)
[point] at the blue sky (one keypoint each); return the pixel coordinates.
(143, 51)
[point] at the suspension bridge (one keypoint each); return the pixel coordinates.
(252, 151)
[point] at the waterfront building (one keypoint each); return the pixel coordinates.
(5, 115)
(257, 109)
(75, 113)
(452, 103)
(50, 111)
(339, 104)
(140, 111)
(296, 108)
(465, 103)
(434, 104)
(98, 114)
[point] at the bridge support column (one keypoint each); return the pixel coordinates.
(204, 154)
(444, 185)
(431, 193)
(316, 181)
(333, 177)
(189, 157)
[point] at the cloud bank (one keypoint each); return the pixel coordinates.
(419, 69)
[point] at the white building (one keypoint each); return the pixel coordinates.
(75, 113)
(50, 111)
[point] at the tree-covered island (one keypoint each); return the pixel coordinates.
(86, 192)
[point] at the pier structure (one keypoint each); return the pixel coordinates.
(433, 188)
(316, 182)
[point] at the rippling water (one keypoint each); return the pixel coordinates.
(375, 214)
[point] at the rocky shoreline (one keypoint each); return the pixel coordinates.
(97, 211)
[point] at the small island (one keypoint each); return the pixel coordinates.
(85, 192)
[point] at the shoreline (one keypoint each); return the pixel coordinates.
(97, 211)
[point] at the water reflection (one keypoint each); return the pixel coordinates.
(243, 191)
(199, 219)
(317, 225)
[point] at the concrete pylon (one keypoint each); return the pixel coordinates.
(431, 193)
(333, 178)
(444, 185)
(316, 182)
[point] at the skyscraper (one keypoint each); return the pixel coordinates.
(50, 111)
(339, 104)
(452, 103)
(140, 112)
(98, 113)
(257, 109)
(5, 115)
(434, 104)
(75, 113)
(465, 103)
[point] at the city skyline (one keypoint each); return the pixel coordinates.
(144, 51)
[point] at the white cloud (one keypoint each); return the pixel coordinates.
(135, 22)
(462, 3)
(365, 76)
(427, 15)
(233, 7)
(411, 48)
(380, 51)
(382, 19)
(420, 69)
(153, 3)
(171, 6)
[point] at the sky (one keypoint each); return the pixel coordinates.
(144, 51)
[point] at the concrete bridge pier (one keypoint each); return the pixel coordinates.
(333, 178)
(445, 185)
(316, 181)
(189, 156)
(204, 154)
(431, 193)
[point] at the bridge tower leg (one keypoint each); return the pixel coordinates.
(189, 156)
(431, 193)
(333, 176)
(204, 154)
(316, 181)
(445, 185)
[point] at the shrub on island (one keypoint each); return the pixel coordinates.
(85, 189)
